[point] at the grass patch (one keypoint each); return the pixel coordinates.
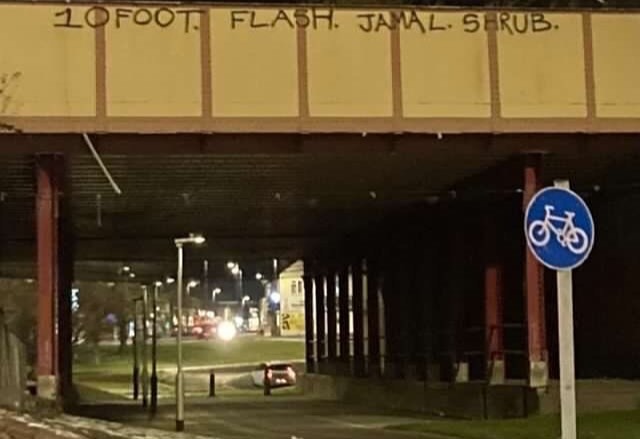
(605, 425)
(195, 353)
(111, 377)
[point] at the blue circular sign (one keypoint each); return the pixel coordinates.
(559, 228)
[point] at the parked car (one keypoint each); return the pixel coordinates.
(204, 331)
(278, 374)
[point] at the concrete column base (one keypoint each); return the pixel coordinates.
(496, 369)
(47, 386)
(462, 372)
(538, 374)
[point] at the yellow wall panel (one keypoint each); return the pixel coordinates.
(542, 73)
(45, 70)
(254, 70)
(445, 73)
(616, 56)
(349, 69)
(153, 71)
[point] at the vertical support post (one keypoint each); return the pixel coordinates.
(307, 280)
(321, 346)
(145, 369)
(154, 347)
(358, 319)
(332, 332)
(134, 347)
(343, 319)
(534, 289)
(179, 372)
(373, 318)
(565, 348)
(493, 294)
(205, 280)
(494, 324)
(47, 244)
(65, 257)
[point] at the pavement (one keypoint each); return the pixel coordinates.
(275, 417)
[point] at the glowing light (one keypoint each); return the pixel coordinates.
(231, 264)
(170, 280)
(275, 297)
(258, 276)
(227, 331)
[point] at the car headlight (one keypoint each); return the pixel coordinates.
(226, 331)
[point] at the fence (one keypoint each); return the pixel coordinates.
(13, 374)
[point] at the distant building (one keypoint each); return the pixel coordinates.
(291, 290)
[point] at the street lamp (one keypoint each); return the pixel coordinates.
(258, 276)
(191, 284)
(154, 345)
(236, 271)
(214, 293)
(180, 242)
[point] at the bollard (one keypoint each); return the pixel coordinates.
(212, 384)
(153, 409)
(136, 382)
(267, 381)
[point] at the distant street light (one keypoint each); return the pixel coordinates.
(190, 285)
(214, 293)
(258, 276)
(169, 280)
(180, 242)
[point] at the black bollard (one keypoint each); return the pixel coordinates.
(267, 381)
(212, 384)
(136, 382)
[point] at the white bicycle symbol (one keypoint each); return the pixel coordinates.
(567, 234)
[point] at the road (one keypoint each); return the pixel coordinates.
(277, 417)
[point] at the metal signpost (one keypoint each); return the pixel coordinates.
(559, 230)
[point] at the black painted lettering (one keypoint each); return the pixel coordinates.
(142, 17)
(96, 16)
(521, 26)
(433, 25)
(237, 17)
(170, 16)
(539, 23)
(504, 22)
(382, 22)
(253, 23)
(282, 16)
(471, 23)
(67, 16)
(187, 17)
(414, 19)
(122, 13)
(301, 17)
(327, 15)
(367, 26)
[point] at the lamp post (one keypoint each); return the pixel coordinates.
(180, 242)
(145, 368)
(154, 345)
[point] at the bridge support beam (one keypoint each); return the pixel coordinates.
(307, 280)
(493, 295)
(534, 289)
(358, 319)
(321, 345)
(343, 320)
(373, 319)
(55, 275)
(332, 314)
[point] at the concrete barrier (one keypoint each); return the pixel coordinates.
(464, 400)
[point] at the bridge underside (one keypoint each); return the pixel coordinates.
(419, 236)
